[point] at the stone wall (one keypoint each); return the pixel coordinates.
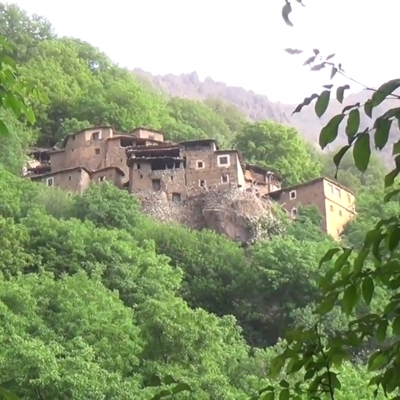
(241, 216)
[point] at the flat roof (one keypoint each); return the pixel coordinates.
(310, 182)
(61, 171)
(65, 140)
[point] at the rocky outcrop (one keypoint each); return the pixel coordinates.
(240, 215)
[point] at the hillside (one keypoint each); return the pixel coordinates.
(256, 106)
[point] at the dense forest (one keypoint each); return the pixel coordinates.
(96, 298)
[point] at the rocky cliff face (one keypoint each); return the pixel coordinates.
(241, 216)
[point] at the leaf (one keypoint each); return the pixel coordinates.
(383, 91)
(340, 93)
(353, 123)
(376, 361)
(307, 101)
(3, 129)
(318, 67)
(286, 10)
(330, 131)
(268, 396)
(349, 300)
(338, 157)
(368, 108)
(162, 394)
(181, 387)
(381, 331)
(155, 381)
(396, 326)
(284, 383)
(293, 51)
(330, 56)
(394, 239)
(396, 148)
(328, 303)
(284, 394)
(362, 152)
(169, 380)
(30, 115)
(327, 86)
(309, 60)
(316, 51)
(390, 195)
(347, 108)
(322, 103)
(382, 129)
(333, 72)
(368, 288)
(390, 177)
(7, 395)
(328, 256)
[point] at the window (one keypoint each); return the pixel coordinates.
(202, 183)
(156, 184)
(97, 151)
(199, 164)
(331, 187)
(96, 136)
(102, 179)
(172, 178)
(331, 208)
(338, 193)
(69, 178)
(225, 178)
(294, 212)
(176, 197)
(137, 166)
(141, 176)
(340, 213)
(73, 137)
(349, 198)
(50, 181)
(292, 195)
(223, 161)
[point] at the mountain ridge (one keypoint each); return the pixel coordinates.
(259, 107)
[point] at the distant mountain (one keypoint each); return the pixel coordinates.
(258, 107)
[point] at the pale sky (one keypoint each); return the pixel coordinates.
(239, 42)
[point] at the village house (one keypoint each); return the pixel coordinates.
(143, 162)
(334, 201)
(95, 149)
(188, 168)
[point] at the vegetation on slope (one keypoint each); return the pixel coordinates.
(96, 298)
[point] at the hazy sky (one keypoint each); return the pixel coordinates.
(239, 42)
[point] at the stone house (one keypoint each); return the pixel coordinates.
(262, 180)
(334, 201)
(95, 149)
(74, 180)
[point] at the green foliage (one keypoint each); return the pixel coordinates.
(275, 146)
(363, 279)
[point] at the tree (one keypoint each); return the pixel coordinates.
(358, 274)
(281, 148)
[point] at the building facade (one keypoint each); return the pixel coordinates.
(335, 202)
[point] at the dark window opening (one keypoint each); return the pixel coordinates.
(162, 164)
(176, 197)
(141, 176)
(172, 178)
(102, 178)
(223, 160)
(200, 164)
(202, 183)
(137, 166)
(96, 136)
(97, 151)
(69, 178)
(156, 184)
(126, 142)
(184, 162)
